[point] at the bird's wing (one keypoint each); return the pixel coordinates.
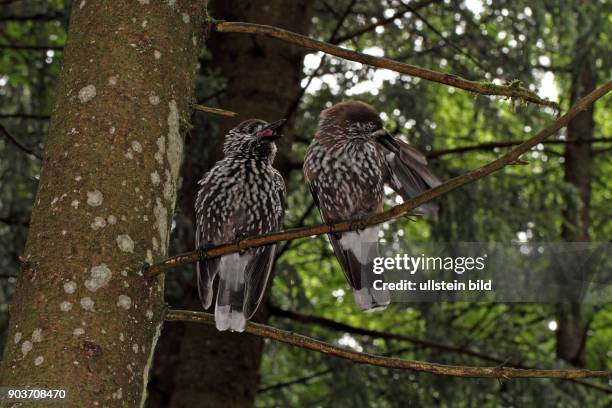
(333, 238)
(408, 172)
(257, 274)
(355, 250)
(260, 266)
(209, 231)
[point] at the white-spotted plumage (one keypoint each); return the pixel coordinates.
(241, 196)
(346, 167)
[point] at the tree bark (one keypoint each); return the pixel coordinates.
(263, 80)
(83, 318)
(572, 328)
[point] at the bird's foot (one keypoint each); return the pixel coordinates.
(203, 251)
(356, 222)
(357, 225)
(241, 237)
(332, 225)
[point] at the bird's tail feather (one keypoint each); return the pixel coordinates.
(229, 314)
(206, 272)
(356, 252)
(370, 300)
(366, 297)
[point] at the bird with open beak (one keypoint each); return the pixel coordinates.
(346, 167)
(241, 196)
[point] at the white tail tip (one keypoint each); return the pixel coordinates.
(370, 300)
(228, 319)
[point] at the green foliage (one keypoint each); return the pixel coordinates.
(27, 83)
(506, 43)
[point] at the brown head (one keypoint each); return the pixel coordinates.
(350, 120)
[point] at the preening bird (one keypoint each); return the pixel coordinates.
(241, 196)
(346, 167)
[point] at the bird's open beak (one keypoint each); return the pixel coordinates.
(272, 131)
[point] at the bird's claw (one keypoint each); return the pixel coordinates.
(357, 226)
(241, 238)
(203, 251)
(331, 225)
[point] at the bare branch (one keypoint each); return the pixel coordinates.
(443, 38)
(492, 145)
(12, 220)
(343, 327)
(216, 111)
(398, 211)
(295, 381)
(329, 8)
(7, 2)
(600, 151)
(31, 47)
(512, 90)
(398, 14)
(296, 102)
(334, 325)
(24, 116)
(334, 39)
(262, 330)
(300, 223)
(211, 96)
(42, 17)
(17, 143)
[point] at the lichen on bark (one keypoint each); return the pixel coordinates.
(83, 318)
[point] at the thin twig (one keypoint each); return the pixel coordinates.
(215, 111)
(443, 38)
(300, 223)
(330, 9)
(296, 102)
(211, 96)
(17, 143)
(492, 145)
(262, 330)
(14, 221)
(398, 14)
(394, 212)
(335, 40)
(31, 47)
(24, 116)
(334, 325)
(35, 17)
(343, 327)
(512, 90)
(295, 381)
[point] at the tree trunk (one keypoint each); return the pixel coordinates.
(263, 81)
(578, 166)
(83, 318)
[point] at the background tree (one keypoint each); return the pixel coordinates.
(104, 204)
(573, 319)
